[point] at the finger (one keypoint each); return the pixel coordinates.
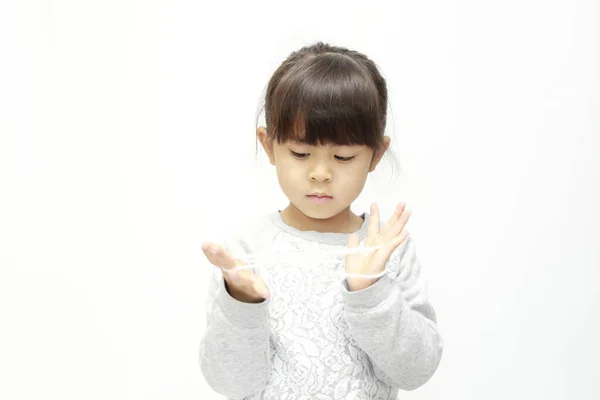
(373, 229)
(399, 240)
(241, 278)
(233, 275)
(388, 226)
(221, 258)
(209, 252)
(218, 256)
(353, 241)
(228, 265)
(213, 256)
(390, 247)
(399, 225)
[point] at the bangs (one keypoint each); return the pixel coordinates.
(326, 99)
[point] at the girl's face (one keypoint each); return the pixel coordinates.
(336, 171)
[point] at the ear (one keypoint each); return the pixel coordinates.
(266, 142)
(377, 155)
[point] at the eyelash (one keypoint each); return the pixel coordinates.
(303, 155)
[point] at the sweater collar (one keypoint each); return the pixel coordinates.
(321, 237)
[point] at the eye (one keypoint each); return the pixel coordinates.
(299, 155)
(344, 158)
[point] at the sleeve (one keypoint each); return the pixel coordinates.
(394, 323)
(234, 350)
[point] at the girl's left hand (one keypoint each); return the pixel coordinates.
(391, 236)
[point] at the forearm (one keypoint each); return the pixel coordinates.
(404, 346)
(234, 352)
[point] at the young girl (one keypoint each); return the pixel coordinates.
(303, 333)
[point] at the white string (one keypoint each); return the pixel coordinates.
(282, 257)
(294, 255)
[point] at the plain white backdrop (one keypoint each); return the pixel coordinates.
(127, 137)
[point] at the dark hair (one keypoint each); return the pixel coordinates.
(323, 94)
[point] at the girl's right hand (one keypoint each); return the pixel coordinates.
(242, 285)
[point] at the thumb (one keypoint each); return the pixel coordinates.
(261, 288)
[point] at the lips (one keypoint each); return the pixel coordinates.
(319, 195)
(319, 199)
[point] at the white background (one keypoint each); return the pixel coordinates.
(127, 137)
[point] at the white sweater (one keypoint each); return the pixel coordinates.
(312, 338)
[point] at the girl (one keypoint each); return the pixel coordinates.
(302, 333)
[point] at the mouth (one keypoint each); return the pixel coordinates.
(319, 198)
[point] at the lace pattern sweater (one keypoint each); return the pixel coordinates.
(313, 338)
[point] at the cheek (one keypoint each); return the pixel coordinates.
(288, 177)
(350, 184)
(354, 177)
(356, 184)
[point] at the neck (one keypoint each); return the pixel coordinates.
(344, 222)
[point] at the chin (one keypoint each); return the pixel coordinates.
(319, 211)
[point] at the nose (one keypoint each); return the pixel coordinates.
(321, 173)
